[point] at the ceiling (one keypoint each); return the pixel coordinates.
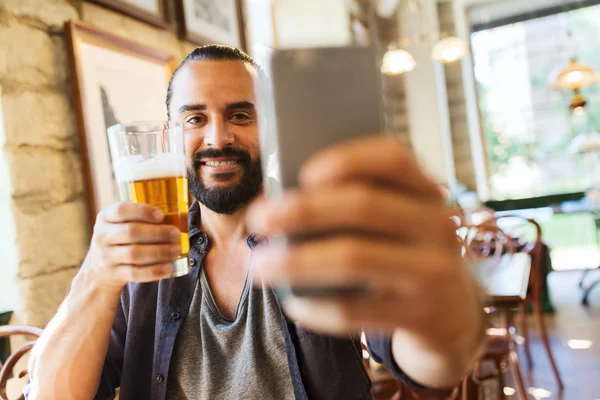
(484, 11)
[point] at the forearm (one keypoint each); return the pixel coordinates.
(68, 358)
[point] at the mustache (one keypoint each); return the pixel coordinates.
(234, 152)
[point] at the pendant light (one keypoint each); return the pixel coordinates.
(450, 49)
(574, 77)
(397, 61)
(447, 50)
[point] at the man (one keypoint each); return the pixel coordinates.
(210, 334)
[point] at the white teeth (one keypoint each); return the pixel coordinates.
(219, 163)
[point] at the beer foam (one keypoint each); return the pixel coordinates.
(135, 168)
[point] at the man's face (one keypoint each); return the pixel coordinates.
(215, 102)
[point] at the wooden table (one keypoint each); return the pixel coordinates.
(504, 279)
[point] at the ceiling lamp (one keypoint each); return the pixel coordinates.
(397, 61)
(574, 77)
(387, 8)
(450, 49)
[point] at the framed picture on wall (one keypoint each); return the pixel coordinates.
(212, 21)
(114, 81)
(153, 12)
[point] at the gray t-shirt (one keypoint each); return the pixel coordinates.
(219, 359)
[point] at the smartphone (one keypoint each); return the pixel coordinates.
(314, 98)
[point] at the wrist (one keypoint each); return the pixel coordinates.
(432, 365)
(440, 355)
(91, 278)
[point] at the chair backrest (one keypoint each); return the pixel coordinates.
(486, 240)
(7, 370)
(525, 232)
(464, 230)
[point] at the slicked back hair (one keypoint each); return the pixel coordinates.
(214, 52)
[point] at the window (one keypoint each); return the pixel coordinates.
(528, 126)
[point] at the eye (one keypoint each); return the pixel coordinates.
(240, 117)
(196, 120)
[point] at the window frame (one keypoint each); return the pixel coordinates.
(544, 200)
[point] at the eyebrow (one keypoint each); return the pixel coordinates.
(239, 105)
(192, 107)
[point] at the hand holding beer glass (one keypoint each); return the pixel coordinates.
(149, 164)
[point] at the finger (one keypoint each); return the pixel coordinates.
(379, 158)
(354, 207)
(144, 254)
(348, 315)
(141, 233)
(151, 273)
(127, 211)
(384, 311)
(342, 260)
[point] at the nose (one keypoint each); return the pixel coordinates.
(218, 135)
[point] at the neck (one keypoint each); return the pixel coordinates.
(221, 228)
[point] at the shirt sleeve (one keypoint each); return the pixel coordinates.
(113, 364)
(380, 349)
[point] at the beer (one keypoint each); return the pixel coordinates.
(160, 181)
(166, 194)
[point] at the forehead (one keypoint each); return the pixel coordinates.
(212, 83)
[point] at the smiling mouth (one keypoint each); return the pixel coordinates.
(220, 163)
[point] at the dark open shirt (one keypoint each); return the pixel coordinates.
(150, 316)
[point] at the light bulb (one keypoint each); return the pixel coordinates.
(397, 61)
(451, 54)
(574, 77)
(450, 49)
(579, 111)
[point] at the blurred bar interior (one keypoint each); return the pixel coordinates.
(498, 98)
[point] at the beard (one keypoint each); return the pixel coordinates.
(226, 199)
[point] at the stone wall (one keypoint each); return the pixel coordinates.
(41, 149)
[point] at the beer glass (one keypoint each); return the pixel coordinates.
(149, 164)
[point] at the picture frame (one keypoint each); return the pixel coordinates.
(212, 21)
(153, 12)
(114, 80)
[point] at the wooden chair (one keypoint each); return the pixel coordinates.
(487, 241)
(526, 233)
(7, 370)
